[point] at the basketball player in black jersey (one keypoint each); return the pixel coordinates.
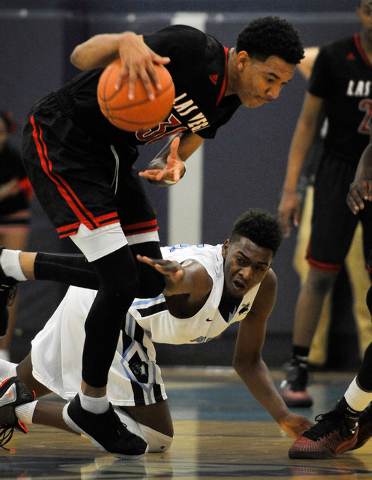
(348, 425)
(80, 167)
(340, 84)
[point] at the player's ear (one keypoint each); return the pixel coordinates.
(225, 248)
(243, 60)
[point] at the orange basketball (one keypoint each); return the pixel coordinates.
(141, 112)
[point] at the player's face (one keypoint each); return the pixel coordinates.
(365, 17)
(260, 82)
(246, 265)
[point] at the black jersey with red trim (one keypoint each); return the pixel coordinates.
(342, 76)
(199, 70)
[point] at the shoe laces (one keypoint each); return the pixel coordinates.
(11, 295)
(10, 291)
(328, 423)
(6, 433)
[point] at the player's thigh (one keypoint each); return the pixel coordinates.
(332, 225)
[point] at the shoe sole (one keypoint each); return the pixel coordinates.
(70, 423)
(297, 454)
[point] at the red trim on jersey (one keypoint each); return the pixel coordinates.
(223, 88)
(361, 51)
(84, 215)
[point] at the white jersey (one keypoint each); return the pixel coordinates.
(208, 323)
(134, 377)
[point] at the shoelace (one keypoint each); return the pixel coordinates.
(328, 422)
(6, 433)
(11, 295)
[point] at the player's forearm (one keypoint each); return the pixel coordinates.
(301, 143)
(99, 51)
(258, 380)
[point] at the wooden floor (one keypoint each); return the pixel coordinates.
(221, 433)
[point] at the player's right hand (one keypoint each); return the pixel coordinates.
(289, 211)
(359, 192)
(138, 62)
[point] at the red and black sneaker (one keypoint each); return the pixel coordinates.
(331, 436)
(13, 392)
(365, 427)
(293, 387)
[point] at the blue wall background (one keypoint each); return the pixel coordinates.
(244, 166)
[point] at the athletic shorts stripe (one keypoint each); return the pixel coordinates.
(84, 216)
(141, 227)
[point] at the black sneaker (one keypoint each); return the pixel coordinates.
(331, 436)
(365, 427)
(8, 292)
(293, 387)
(105, 430)
(13, 392)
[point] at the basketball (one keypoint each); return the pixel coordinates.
(141, 112)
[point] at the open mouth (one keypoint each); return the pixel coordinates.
(239, 285)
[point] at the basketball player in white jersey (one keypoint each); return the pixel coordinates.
(207, 288)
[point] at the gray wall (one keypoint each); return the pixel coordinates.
(250, 151)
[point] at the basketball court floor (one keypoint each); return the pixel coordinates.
(221, 432)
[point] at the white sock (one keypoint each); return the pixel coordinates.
(10, 263)
(25, 412)
(94, 405)
(357, 398)
(7, 369)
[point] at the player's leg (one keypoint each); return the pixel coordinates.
(84, 207)
(13, 233)
(318, 350)
(153, 422)
(360, 280)
(332, 230)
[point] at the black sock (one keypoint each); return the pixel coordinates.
(300, 354)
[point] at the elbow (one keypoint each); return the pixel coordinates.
(77, 59)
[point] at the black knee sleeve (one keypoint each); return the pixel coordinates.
(364, 374)
(151, 282)
(369, 300)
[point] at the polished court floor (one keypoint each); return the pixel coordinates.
(221, 433)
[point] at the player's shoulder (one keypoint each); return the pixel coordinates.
(337, 47)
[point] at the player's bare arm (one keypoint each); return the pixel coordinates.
(137, 58)
(167, 168)
(361, 189)
(289, 208)
(250, 366)
(306, 65)
(189, 278)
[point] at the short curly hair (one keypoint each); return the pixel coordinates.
(262, 228)
(267, 36)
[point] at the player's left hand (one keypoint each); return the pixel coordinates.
(174, 169)
(295, 425)
(359, 193)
